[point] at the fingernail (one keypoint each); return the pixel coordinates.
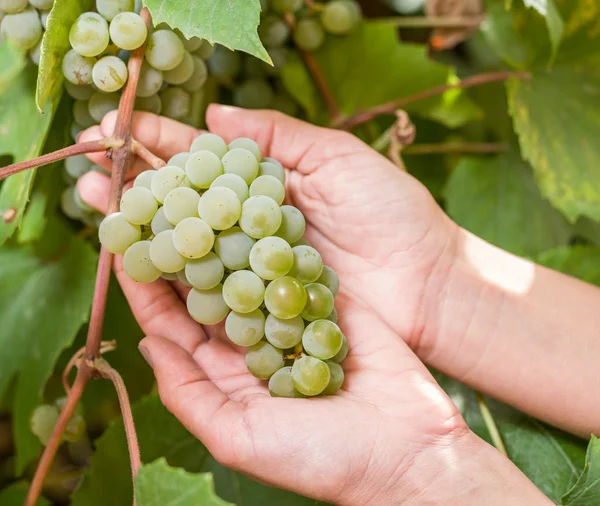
(146, 354)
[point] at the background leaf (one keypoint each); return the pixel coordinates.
(582, 262)
(586, 491)
(12, 62)
(15, 495)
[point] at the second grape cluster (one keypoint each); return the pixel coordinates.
(214, 220)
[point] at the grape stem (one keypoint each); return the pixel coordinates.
(490, 424)
(432, 21)
(455, 147)
(144, 153)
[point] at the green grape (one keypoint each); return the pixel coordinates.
(160, 223)
(285, 298)
(77, 91)
(271, 258)
(12, 6)
(264, 360)
(109, 74)
(199, 76)
(81, 114)
(128, 30)
(89, 34)
(308, 264)
(269, 186)
(151, 81)
(333, 316)
(233, 182)
(192, 44)
(164, 50)
(309, 34)
(206, 50)
(42, 422)
(322, 339)
(75, 429)
(254, 93)
(44, 19)
(77, 166)
(210, 142)
(23, 29)
(207, 307)
(253, 67)
(271, 169)
(193, 238)
(175, 102)
(117, 234)
(182, 278)
(101, 104)
(151, 104)
(68, 204)
(279, 56)
(180, 159)
(81, 204)
(292, 226)
(281, 384)
(284, 333)
(220, 207)
(243, 291)
(241, 162)
(164, 255)
(320, 302)
(224, 64)
(261, 217)
(109, 9)
(339, 17)
(233, 248)
(283, 102)
(248, 145)
(172, 276)
(75, 130)
(284, 6)
(337, 379)
(35, 53)
(138, 205)
(166, 179)
(206, 272)
(182, 72)
(245, 329)
(330, 279)
(181, 203)
(343, 353)
(301, 242)
(202, 168)
(272, 160)
(310, 376)
(138, 265)
(273, 31)
(144, 179)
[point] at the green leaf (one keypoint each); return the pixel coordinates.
(12, 61)
(15, 495)
(43, 303)
(496, 198)
(589, 230)
(158, 484)
(160, 435)
(582, 262)
(586, 491)
(231, 23)
(548, 9)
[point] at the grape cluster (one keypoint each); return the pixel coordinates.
(214, 219)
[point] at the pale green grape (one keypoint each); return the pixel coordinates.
(333, 316)
(81, 204)
(166, 179)
(117, 234)
(193, 238)
(183, 278)
(42, 422)
(319, 304)
(271, 258)
(338, 17)
(77, 166)
(272, 160)
(68, 204)
(309, 34)
(241, 162)
(261, 217)
(308, 264)
(301, 242)
(164, 50)
(337, 379)
(44, 19)
(192, 44)
(160, 222)
(210, 142)
(180, 159)
(284, 333)
(283, 102)
(199, 76)
(181, 203)
(281, 384)
(176, 103)
(206, 272)
(170, 276)
(138, 205)
(285, 298)
(264, 360)
(109, 74)
(233, 182)
(144, 179)
(202, 168)
(247, 144)
(224, 64)
(101, 104)
(293, 224)
(207, 307)
(206, 50)
(284, 6)
(280, 56)
(268, 186)
(23, 29)
(182, 72)
(343, 353)
(75, 130)
(253, 67)
(330, 279)
(310, 376)
(151, 80)
(81, 113)
(89, 34)
(220, 207)
(77, 91)
(266, 168)
(35, 53)
(128, 30)
(322, 339)
(151, 104)
(137, 264)
(12, 6)
(245, 329)
(233, 248)
(164, 255)
(273, 31)
(111, 8)
(254, 93)
(243, 291)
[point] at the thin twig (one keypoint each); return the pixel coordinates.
(105, 347)
(455, 147)
(490, 424)
(145, 154)
(432, 21)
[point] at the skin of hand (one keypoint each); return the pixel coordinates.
(391, 436)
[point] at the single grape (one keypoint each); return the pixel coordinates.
(164, 50)
(233, 248)
(210, 142)
(13, 6)
(207, 307)
(272, 160)
(264, 360)
(343, 353)
(81, 113)
(285, 298)
(293, 224)
(101, 104)
(245, 329)
(220, 207)
(86, 208)
(42, 422)
(284, 333)
(338, 17)
(172, 276)
(180, 159)
(301, 242)
(330, 279)
(199, 76)
(68, 204)
(182, 72)
(151, 104)
(151, 80)
(137, 264)
(182, 278)
(176, 103)
(247, 144)
(224, 64)
(309, 34)
(261, 217)
(206, 272)
(273, 31)
(322, 339)
(268, 186)
(181, 203)
(284, 6)
(109, 9)
(283, 102)
(164, 255)
(241, 162)
(233, 182)
(44, 19)
(271, 258)
(308, 264)
(77, 166)
(266, 168)
(202, 168)
(254, 93)
(281, 384)
(144, 179)
(243, 291)
(193, 237)
(75, 130)
(128, 30)
(319, 304)
(23, 29)
(117, 234)
(279, 56)
(166, 179)
(35, 53)
(89, 34)
(160, 223)
(192, 44)
(337, 379)
(138, 205)
(205, 51)
(310, 376)
(109, 74)
(77, 91)
(333, 316)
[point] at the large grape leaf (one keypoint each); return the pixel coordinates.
(580, 261)
(12, 62)
(158, 484)
(496, 198)
(231, 23)
(159, 434)
(586, 491)
(554, 21)
(15, 495)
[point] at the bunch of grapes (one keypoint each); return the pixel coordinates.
(214, 220)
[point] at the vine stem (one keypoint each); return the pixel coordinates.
(432, 21)
(455, 147)
(392, 107)
(491, 424)
(145, 154)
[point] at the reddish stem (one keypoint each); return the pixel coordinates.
(455, 147)
(145, 154)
